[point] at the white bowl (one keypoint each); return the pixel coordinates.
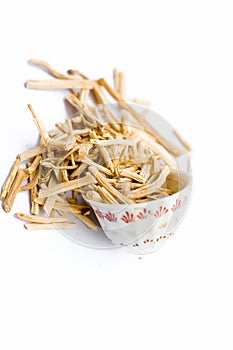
(144, 227)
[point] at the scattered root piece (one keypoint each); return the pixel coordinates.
(15, 188)
(11, 177)
(64, 187)
(115, 193)
(107, 197)
(87, 221)
(37, 219)
(51, 226)
(151, 188)
(182, 140)
(59, 84)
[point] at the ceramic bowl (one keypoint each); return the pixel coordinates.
(144, 227)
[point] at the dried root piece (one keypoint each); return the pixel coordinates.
(119, 82)
(101, 181)
(50, 69)
(11, 177)
(34, 165)
(94, 196)
(87, 221)
(126, 188)
(64, 187)
(83, 96)
(59, 84)
(182, 140)
(40, 126)
(37, 219)
(76, 72)
(74, 208)
(33, 189)
(107, 197)
(103, 169)
(51, 226)
(31, 153)
(78, 171)
(98, 94)
(14, 189)
(156, 148)
(133, 175)
(151, 188)
(140, 101)
(49, 201)
(33, 181)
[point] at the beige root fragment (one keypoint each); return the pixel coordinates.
(50, 69)
(157, 148)
(83, 96)
(14, 189)
(126, 188)
(59, 84)
(151, 188)
(74, 101)
(33, 181)
(61, 127)
(106, 195)
(74, 208)
(98, 94)
(154, 165)
(104, 153)
(34, 207)
(125, 121)
(141, 101)
(76, 72)
(145, 171)
(51, 226)
(77, 172)
(64, 187)
(101, 168)
(10, 179)
(133, 175)
(94, 196)
(40, 201)
(111, 118)
(87, 221)
(37, 219)
(49, 201)
(40, 126)
(182, 140)
(121, 142)
(34, 165)
(71, 200)
(116, 79)
(101, 180)
(122, 88)
(31, 153)
(119, 82)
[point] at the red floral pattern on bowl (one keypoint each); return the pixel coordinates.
(162, 211)
(128, 217)
(176, 205)
(110, 217)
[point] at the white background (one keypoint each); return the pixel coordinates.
(55, 294)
